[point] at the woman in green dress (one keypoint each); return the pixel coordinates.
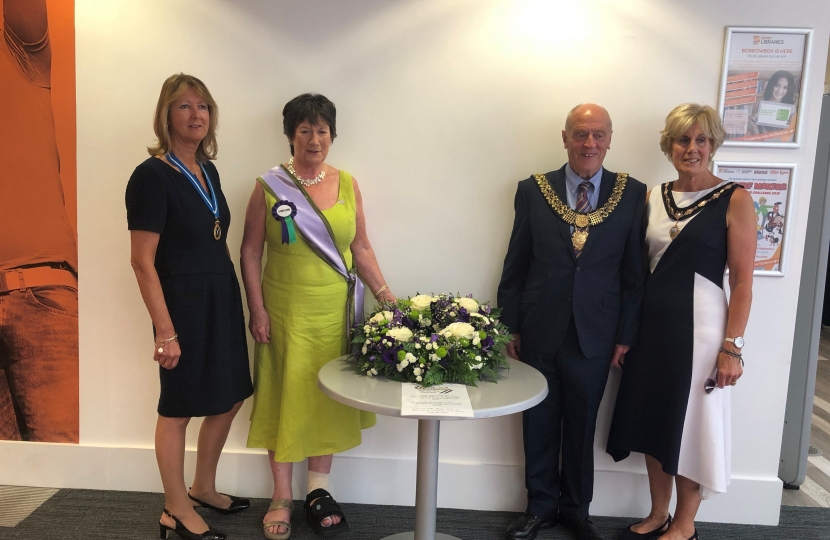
(300, 308)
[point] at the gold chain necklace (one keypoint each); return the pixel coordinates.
(581, 222)
(679, 214)
(316, 180)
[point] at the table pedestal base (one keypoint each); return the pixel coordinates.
(426, 486)
(411, 536)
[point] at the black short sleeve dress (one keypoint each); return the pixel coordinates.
(200, 288)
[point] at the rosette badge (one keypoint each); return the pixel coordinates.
(432, 339)
(285, 212)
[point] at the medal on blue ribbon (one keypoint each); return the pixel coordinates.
(285, 212)
(211, 202)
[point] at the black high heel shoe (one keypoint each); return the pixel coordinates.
(185, 534)
(238, 504)
(628, 534)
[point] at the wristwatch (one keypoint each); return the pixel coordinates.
(738, 341)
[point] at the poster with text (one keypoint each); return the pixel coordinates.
(771, 190)
(39, 379)
(762, 85)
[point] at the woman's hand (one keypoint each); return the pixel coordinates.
(386, 297)
(729, 370)
(260, 326)
(169, 357)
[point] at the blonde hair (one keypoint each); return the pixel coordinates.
(683, 117)
(173, 87)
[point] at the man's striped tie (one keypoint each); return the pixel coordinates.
(583, 204)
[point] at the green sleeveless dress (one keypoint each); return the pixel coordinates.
(306, 301)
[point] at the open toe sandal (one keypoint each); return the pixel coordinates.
(277, 504)
(324, 506)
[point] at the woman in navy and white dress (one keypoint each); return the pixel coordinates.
(674, 399)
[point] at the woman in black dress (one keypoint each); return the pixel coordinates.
(673, 404)
(178, 220)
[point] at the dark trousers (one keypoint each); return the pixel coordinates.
(566, 419)
(39, 364)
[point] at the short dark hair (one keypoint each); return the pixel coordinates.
(311, 108)
(789, 97)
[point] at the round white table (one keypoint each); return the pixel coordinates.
(518, 389)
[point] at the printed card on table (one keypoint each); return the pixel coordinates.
(439, 400)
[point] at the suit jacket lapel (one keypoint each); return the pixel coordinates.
(557, 181)
(606, 185)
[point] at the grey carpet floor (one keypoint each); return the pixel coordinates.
(74, 514)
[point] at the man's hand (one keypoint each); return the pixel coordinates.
(619, 356)
(514, 348)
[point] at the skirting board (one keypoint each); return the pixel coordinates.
(367, 480)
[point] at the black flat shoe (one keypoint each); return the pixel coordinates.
(527, 526)
(584, 529)
(628, 534)
(238, 504)
(185, 534)
(319, 505)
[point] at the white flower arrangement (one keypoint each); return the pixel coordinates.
(432, 339)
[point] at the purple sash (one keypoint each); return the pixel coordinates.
(314, 228)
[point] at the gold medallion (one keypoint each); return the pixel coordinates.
(581, 222)
(579, 237)
(681, 214)
(217, 231)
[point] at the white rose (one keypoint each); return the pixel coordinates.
(476, 340)
(417, 345)
(401, 334)
(363, 350)
(369, 373)
(404, 363)
(467, 303)
(416, 371)
(381, 316)
(478, 359)
(367, 328)
(374, 371)
(421, 302)
(460, 330)
(419, 378)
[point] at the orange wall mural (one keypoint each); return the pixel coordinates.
(38, 220)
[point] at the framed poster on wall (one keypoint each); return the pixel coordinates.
(762, 85)
(771, 188)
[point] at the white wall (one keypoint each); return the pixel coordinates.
(444, 105)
